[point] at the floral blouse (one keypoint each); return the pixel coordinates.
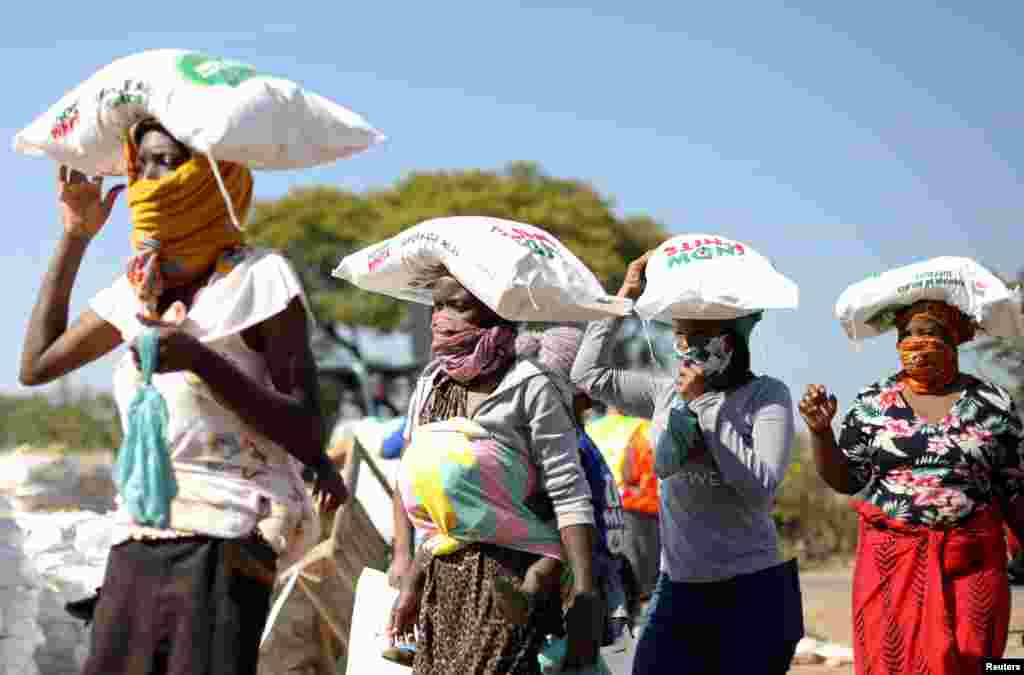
(934, 474)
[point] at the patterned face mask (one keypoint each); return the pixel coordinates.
(712, 354)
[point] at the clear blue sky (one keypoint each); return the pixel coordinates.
(839, 141)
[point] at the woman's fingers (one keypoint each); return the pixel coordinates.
(111, 198)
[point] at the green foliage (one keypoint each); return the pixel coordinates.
(316, 227)
(86, 422)
(815, 523)
(1006, 355)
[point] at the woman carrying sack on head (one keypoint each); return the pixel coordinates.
(492, 453)
(939, 456)
(723, 443)
(221, 362)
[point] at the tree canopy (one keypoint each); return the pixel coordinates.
(317, 226)
(1006, 355)
(79, 421)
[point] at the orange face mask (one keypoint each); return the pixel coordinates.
(929, 364)
(181, 223)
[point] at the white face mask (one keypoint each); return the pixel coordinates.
(712, 354)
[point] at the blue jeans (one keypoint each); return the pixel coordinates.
(747, 624)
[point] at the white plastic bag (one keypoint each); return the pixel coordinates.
(704, 276)
(521, 272)
(868, 308)
(219, 107)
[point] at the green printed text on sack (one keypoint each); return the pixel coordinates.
(933, 280)
(697, 250)
(538, 242)
(209, 70)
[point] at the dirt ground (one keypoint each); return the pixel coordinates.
(827, 615)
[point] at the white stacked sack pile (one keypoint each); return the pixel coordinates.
(67, 554)
(49, 479)
(49, 556)
(20, 634)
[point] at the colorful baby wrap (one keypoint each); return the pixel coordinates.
(460, 486)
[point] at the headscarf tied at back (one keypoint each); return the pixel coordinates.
(555, 349)
(181, 223)
(958, 325)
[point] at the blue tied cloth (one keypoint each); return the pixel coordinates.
(552, 659)
(143, 472)
(674, 442)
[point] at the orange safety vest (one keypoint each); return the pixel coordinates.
(625, 443)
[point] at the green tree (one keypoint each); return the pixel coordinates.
(316, 227)
(1006, 355)
(77, 420)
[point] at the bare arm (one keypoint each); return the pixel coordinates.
(832, 465)
(289, 412)
(51, 349)
(818, 408)
(578, 542)
(403, 529)
(584, 616)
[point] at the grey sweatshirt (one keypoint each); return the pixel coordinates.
(716, 514)
(528, 410)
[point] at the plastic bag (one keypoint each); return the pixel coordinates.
(215, 106)
(520, 271)
(143, 471)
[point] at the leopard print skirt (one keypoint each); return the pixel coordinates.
(460, 628)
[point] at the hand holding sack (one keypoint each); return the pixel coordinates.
(868, 308)
(521, 272)
(218, 107)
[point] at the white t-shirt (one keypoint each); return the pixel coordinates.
(231, 479)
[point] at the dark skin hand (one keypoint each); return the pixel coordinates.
(52, 349)
(636, 277)
(584, 618)
(289, 419)
(818, 408)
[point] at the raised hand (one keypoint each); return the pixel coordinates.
(636, 278)
(818, 408)
(690, 383)
(83, 208)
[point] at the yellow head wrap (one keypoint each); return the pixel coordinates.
(180, 222)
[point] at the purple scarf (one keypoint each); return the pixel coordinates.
(467, 352)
